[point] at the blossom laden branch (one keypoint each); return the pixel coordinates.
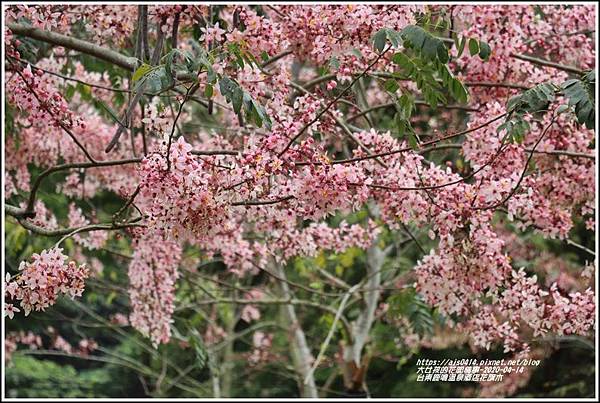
(405, 149)
(333, 101)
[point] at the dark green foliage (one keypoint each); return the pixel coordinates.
(199, 348)
(239, 98)
(381, 36)
(179, 63)
(537, 100)
(473, 47)
(581, 95)
(409, 304)
(428, 46)
(29, 377)
(484, 50)
(242, 56)
(534, 101)
(424, 61)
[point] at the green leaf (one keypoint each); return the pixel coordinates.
(227, 86)
(415, 36)
(379, 40)
(461, 47)
(459, 91)
(430, 47)
(402, 60)
(582, 96)
(484, 50)
(405, 106)
(442, 52)
(208, 91)
(394, 37)
(154, 81)
(236, 99)
(412, 140)
(85, 91)
(334, 63)
(140, 72)
(233, 93)
(111, 113)
(391, 85)
(533, 101)
(427, 45)
(407, 303)
(70, 92)
(199, 348)
(473, 47)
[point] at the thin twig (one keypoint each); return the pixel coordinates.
(138, 94)
(189, 92)
(514, 189)
(327, 340)
(405, 149)
(330, 104)
(61, 124)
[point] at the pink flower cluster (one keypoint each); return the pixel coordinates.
(261, 352)
(250, 312)
(458, 281)
(39, 282)
(13, 339)
(152, 275)
(251, 208)
(324, 189)
(91, 240)
(180, 199)
(320, 32)
(51, 106)
(33, 341)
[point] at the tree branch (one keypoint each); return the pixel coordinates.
(333, 101)
(420, 103)
(546, 63)
(405, 149)
(126, 62)
(70, 231)
(28, 212)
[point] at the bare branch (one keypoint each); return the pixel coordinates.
(73, 230)
(546, 63)
(277, 57)
(139, 93)
(126, 62)
(28, 212)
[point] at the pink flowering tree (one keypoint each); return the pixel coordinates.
(312, 181)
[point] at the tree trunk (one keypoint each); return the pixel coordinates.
(227, 364)
(354, 368)
(301, 355)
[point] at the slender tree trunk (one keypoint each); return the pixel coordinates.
(354, 365)
(227, 364)
(214, 374)
(301, 355)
